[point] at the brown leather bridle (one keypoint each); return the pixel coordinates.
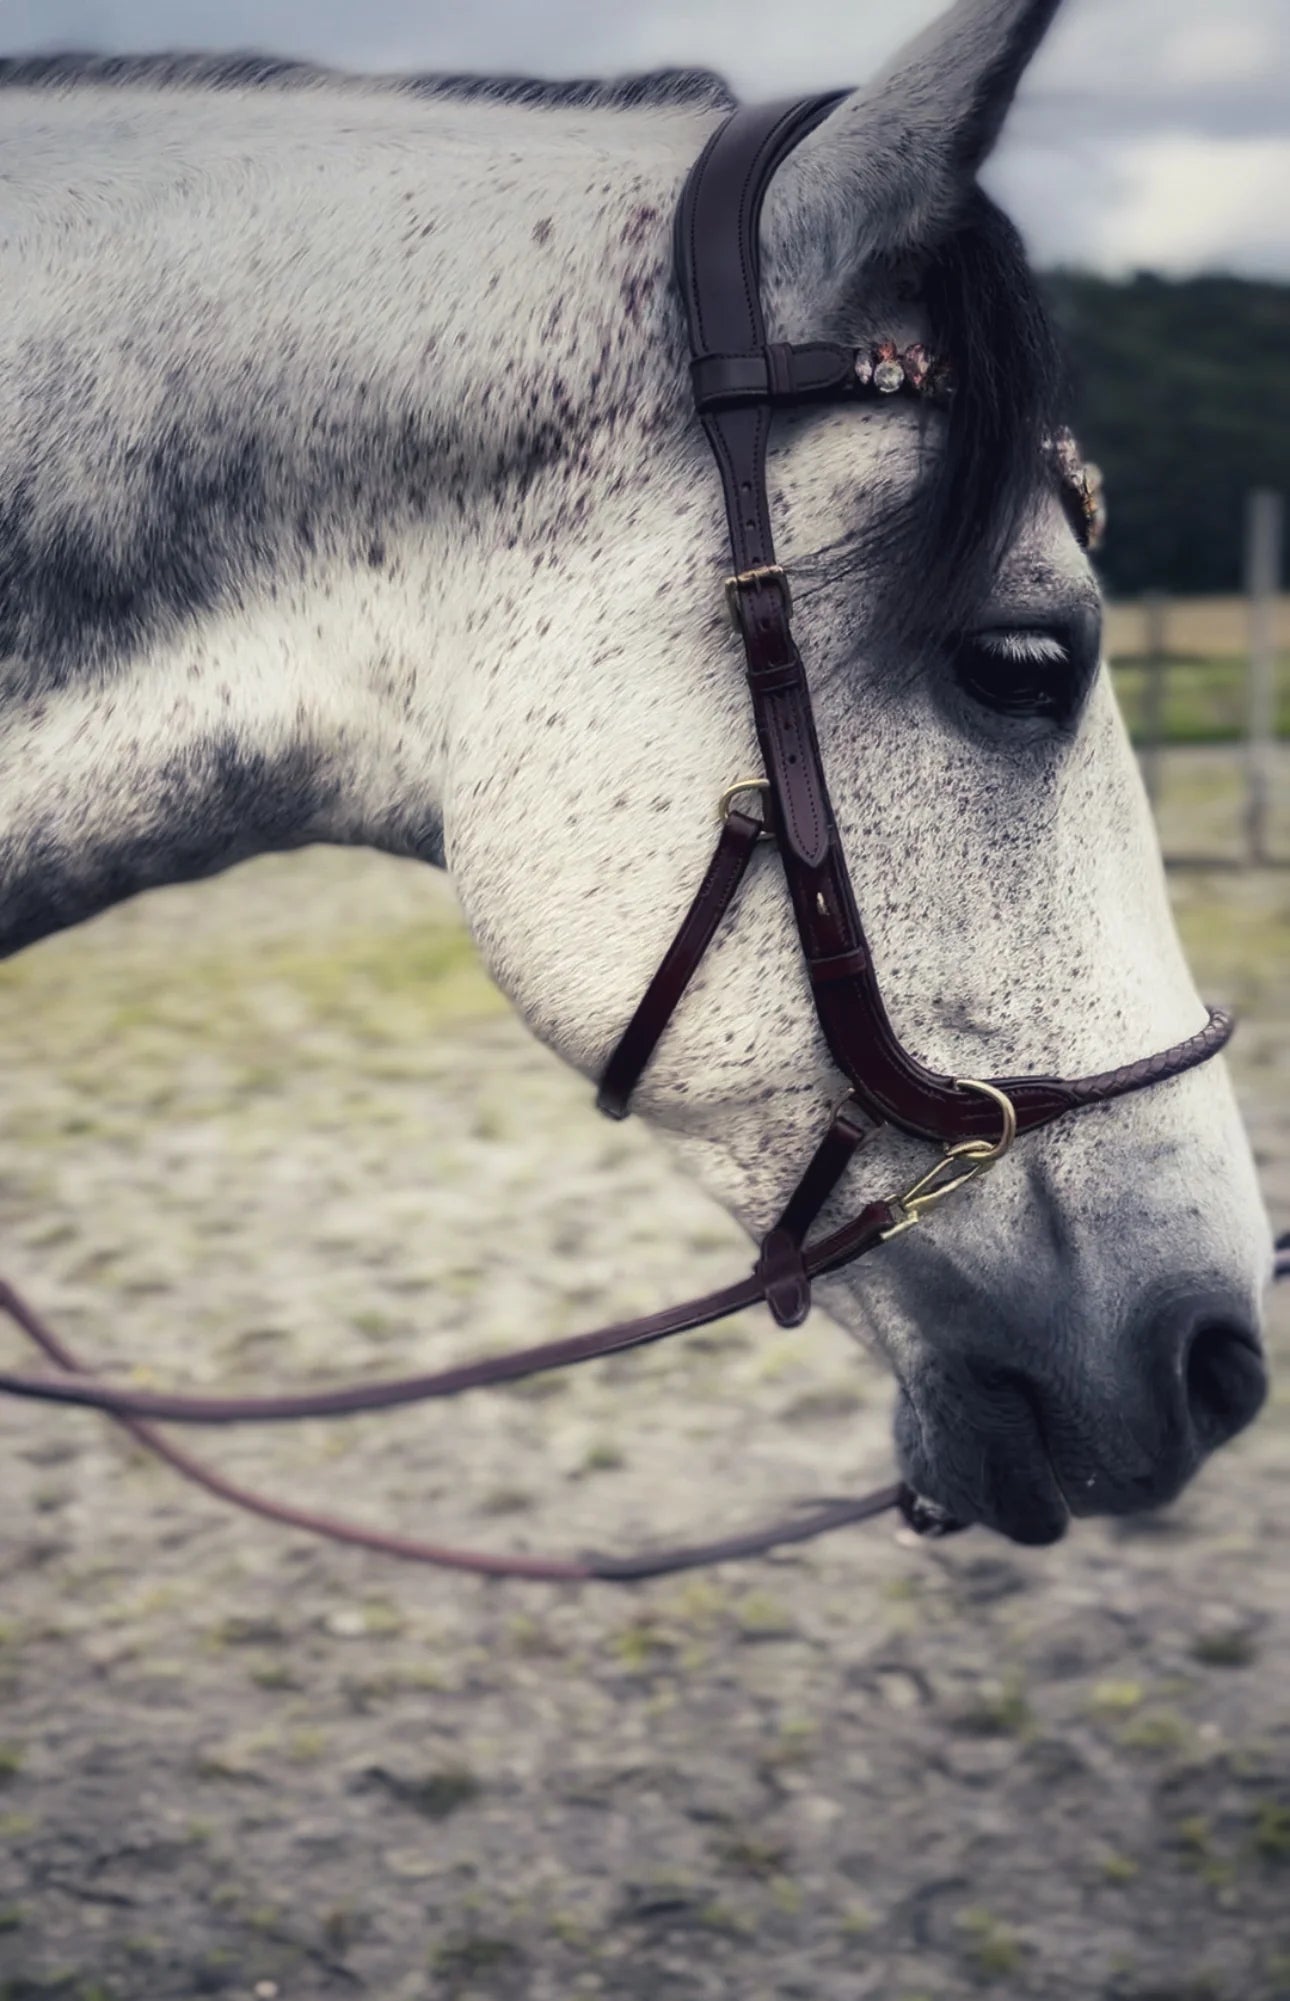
(739, 382)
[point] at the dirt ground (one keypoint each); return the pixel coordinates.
(265, 1129)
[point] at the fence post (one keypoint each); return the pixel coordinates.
(1155, 607)
(1262, 580)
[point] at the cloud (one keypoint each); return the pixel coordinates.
(1148, 132)
(1167, 202)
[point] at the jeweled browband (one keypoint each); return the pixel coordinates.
(884, 369)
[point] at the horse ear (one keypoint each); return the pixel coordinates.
(889, 168)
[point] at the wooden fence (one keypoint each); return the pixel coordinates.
(1214, 674)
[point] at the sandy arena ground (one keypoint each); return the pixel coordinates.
(264, 1129)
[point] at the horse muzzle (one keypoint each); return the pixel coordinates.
(1005, 1446)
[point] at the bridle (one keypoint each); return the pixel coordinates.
(739, 382)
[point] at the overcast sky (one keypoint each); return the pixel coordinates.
(1148, 132)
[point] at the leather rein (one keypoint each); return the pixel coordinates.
(739, 382)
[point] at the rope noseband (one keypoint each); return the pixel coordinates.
(739, 381)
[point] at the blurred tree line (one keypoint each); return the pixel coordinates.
(1182, 396)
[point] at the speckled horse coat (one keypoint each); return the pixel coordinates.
(350, 492)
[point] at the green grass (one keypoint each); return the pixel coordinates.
(1204, 699)
(383, 987)
(1236, 934)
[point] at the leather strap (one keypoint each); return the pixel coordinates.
(781, 1265)
(739, 836)
(852, 1241)
(717, 255)
(800, 1527)
(819, 1519)
(781, 374)
(718, 270)
(849, 1129)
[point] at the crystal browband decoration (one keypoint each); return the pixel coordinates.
(1082, 488)
(884, 369)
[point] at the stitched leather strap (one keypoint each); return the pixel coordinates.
(781, 1265)
(739, 836)
(780, 373)
(717, 255)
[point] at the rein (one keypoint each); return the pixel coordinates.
(739, 381)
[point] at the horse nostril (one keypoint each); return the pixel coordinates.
(1225, 1381)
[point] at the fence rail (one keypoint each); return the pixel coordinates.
(1216, 672)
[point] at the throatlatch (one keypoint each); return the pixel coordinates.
(739, 380)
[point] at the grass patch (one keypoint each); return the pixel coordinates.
(1161, 1732)
(762, 1616)
(380, 986)
(998, 1710)
(1204, 699)
(1232, 1649)
(1271, 1837)
(751, 1855)
(603, 1457)
(994, 1950)
(641, 1644)
(1115, 1698)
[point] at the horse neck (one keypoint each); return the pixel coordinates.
(417, 332)
(430, 247)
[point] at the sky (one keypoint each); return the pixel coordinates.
(1148, 133)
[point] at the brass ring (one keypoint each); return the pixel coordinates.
(759, 785)
(1000, 1098)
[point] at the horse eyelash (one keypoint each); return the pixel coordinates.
(1027, 648)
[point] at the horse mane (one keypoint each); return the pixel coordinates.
(250, 70)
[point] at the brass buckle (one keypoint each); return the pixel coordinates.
(761, 787)
(743, 580)
(946, 1175)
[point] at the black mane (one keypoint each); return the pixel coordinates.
(987, 313)
(249, 70)
(987, 316)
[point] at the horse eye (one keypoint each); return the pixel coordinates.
(1019, 671)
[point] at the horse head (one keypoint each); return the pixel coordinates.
(354, 493)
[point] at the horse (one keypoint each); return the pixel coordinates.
(351, 492)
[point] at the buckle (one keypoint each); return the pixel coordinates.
(957, 1165)
(744, 580)
(761, 787)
